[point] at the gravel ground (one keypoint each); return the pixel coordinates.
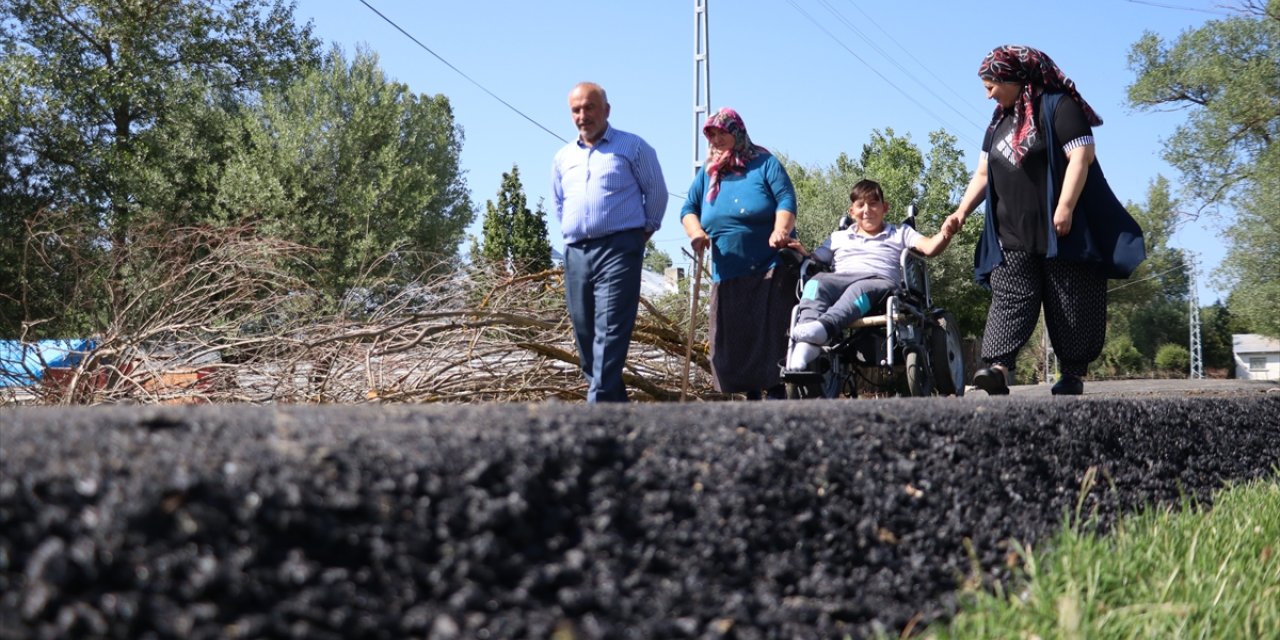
(820, 519)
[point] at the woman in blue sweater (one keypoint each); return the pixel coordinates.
(742, 205)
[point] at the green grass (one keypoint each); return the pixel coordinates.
(1168, 573)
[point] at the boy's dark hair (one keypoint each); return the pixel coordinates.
(865, 189)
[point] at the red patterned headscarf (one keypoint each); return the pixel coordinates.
(734, 160)
(1032, 68)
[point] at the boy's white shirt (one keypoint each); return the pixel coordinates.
(879, 254)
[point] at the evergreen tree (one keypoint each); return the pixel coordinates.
(530, 247)
(514, 236)
(1215, 336)
(495, 243)
(358, 165)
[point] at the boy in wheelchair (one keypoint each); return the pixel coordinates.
(866, 259)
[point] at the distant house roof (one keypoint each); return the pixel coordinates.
(1254, 343)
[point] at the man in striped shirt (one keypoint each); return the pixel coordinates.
(609, 197)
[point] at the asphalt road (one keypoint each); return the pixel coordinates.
(1179, 388)
(744, 521)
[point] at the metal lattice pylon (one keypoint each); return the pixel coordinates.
(701, 80)
(1196, 348)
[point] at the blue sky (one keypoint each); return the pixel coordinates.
(811, 78)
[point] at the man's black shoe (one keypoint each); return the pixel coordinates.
(991, 380)
(1069, 385)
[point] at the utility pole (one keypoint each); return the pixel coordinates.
(701, 109)
(1197, 349)
(701, 81)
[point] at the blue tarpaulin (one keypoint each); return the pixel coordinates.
(23, 363)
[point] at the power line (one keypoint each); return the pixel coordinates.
(1150, 277)
(1161, 5)
(910, 55)
(893, 60)
(473, 81)
(460, 72)
(859, 58)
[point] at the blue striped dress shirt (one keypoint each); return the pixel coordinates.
(613, 186)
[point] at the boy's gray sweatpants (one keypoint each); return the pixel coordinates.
(837, 299)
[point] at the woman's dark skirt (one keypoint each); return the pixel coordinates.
(750, 317)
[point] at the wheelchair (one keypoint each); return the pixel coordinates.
(909, 337)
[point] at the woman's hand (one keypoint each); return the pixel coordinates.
(784, 222)
(794, 243)
(1078, 161)
(699, 241)
(698, 238)
(1062, 220)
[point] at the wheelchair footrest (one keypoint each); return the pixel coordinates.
(801, 377)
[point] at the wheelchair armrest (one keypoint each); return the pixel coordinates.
(823, 255)
(820, 261)
(790, 257)
(810, 268)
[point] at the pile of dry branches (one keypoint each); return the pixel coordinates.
(216, 315)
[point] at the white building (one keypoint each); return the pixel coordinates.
(653, 285)
(1257, 357)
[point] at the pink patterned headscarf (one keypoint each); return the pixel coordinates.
(1032, 68)
(735, 160)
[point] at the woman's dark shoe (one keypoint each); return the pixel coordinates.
(991, 380)
(1068, 385)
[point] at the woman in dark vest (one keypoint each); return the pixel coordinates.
(1054, 231)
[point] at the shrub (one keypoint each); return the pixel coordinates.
(1173, 357)
(1119, 357)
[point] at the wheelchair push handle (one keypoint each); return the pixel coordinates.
(910, 220)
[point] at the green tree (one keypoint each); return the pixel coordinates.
(1151, 306)
(1226, 76)
(515, 237)
(498, 220)
(1253, 256)
(655, 259)
(356, 165)
(530, 246)
(1215, 336)
(898, 165)
(116, 113)
(110, 88)
(1162, 321)
(1165, 274)
(823, 196)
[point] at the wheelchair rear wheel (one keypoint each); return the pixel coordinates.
(919, 378)
(946, 359)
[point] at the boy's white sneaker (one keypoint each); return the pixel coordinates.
(802, 353)
(811, 332)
